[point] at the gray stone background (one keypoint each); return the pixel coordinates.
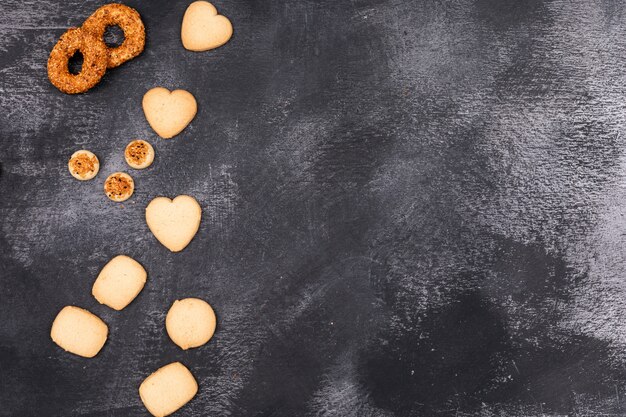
(410, 208)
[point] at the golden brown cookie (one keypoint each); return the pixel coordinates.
(79, 331)
(174, 222)
(139, 154)
(119, 282)
(203, 28)
(169, 112)
(168, 389)
(127, 19)
(190, 322)
(83, 165)
(119, 186)
(94, 66)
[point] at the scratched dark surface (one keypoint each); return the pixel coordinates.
(410, 208)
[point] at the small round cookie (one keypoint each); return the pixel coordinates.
(94, 61)
(127, 19)
(139, 154)
(119, 186)
(190, 322)
(83, 165)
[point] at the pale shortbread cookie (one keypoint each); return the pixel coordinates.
(119, 282)
(168, 389)
(174, 222)
(169, 112)
(83, 165)
(203, 28)
(79, 331)
(139, 154)
(119, 186)
(190, 322)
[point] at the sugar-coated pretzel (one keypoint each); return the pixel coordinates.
(129, 20)
(95, 56)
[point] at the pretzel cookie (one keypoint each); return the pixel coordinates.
(127, 19)
(94, 61)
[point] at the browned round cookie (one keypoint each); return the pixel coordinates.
(139, 154)
(94, 66)
(119, 186)
(83, 165)
(129, 21)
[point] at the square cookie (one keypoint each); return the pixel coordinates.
(79, 331)
(168, 389)
(119, 282)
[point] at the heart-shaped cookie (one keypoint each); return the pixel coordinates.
(169, 112)
(203, 28)
(174, 222)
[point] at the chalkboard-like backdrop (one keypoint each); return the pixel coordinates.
(411, 208)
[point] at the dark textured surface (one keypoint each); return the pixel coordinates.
(410, 209)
